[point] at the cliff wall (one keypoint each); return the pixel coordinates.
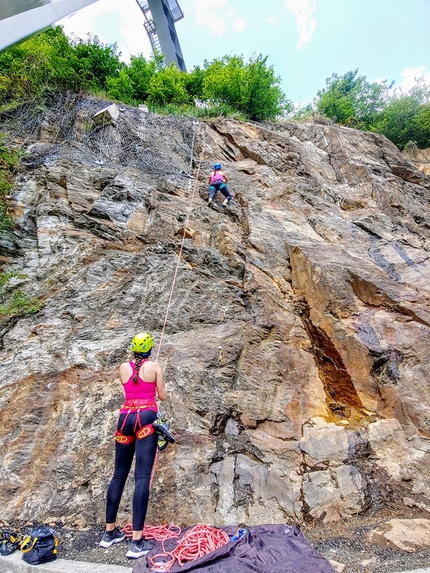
(297, 346)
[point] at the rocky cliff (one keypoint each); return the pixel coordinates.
(420, 158)
(297, 346)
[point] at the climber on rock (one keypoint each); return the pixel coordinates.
(217, 182)
(142, 380)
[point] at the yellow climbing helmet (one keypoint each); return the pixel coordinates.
(142, 343)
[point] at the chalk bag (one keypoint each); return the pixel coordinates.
(40, 546)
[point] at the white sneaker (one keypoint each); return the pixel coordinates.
(138, 548)
(111, 537)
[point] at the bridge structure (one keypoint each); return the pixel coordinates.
(20, 19)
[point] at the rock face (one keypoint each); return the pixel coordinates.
(420, 158)
(297, 345)
(408, 535)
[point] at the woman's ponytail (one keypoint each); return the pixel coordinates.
(139, 359)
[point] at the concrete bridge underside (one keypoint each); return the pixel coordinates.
(20, 19)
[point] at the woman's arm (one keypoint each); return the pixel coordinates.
(161, 388)
(225, 177)
(125, 372)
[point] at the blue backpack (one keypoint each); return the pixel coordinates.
(40, 546)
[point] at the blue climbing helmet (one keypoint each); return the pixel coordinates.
(217, 166)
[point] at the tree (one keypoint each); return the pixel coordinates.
(223, 81)
(44, 60)
(95, 61)
(194, 82)
(168, 86)
(406, 118)
(141, 72)
(250, 88)
(51, 60)
(351, 100)
(262, 97)
(120, 87)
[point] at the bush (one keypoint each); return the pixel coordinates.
(351, 100)
(16, 302)
(167, 86)
(9, 160)
(250, 88)
(407, 117)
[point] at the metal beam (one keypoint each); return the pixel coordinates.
(160, 17)
(20, 19)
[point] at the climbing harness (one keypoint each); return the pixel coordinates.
(140, 432)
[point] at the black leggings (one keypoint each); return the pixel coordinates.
(145, 454)
(219, 187)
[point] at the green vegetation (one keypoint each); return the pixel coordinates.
(227, 86)
(51, 61)
(15, 302)
(250, 88)
(9, 160)
(406, 118)
(352, 101)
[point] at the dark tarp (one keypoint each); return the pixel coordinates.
(263, 549)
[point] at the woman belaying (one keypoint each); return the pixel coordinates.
(142, 380)
(217, 182)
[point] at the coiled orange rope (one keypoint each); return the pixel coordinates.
(158, 533)
(197, 542)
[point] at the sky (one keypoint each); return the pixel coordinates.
(306, 41)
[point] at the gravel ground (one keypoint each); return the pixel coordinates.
(344, 542)
(347, 543)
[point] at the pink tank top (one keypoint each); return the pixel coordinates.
(142, 390)
(217, 177)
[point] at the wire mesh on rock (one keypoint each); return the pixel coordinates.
(61, 124)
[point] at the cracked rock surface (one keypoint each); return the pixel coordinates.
(296, 352)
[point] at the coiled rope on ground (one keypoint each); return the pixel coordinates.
(196, 543)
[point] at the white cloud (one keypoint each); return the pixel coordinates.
(408, 77)
(124, 16)
(206, 15)
(271, 18)
(239, 25)
(306, 26)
